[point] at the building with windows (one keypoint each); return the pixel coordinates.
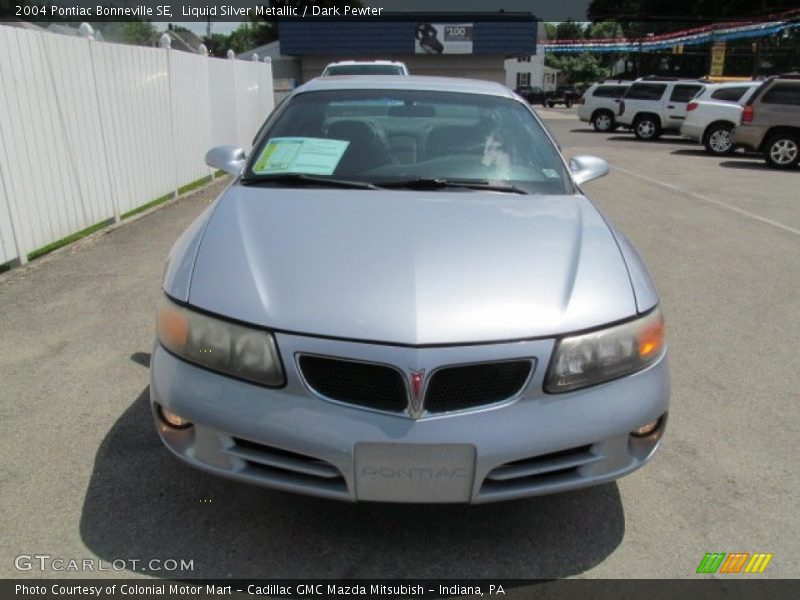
(529, 69)
(474, 45)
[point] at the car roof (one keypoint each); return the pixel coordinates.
(732, 84)
(668, 81)
(412, 82)
(364, 62)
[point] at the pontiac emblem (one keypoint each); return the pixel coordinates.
(417, 379)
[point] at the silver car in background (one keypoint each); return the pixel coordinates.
(365, 67)
(405, 296)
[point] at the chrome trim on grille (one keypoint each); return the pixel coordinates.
(411, 410)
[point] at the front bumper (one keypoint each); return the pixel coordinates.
(292, 440)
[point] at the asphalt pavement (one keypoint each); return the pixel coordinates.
(84, 476)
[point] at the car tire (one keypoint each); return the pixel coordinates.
(647, 127)
(603, 121)
(717, 139)
(782, 150)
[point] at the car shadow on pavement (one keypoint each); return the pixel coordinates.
(141, 358)
(662, 140)
(144, 504)
(700, 152)
(755, 163)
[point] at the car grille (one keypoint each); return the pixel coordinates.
(467, 386)
(382, 387)
(364, 384)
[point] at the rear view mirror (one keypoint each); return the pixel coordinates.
(230, 159)
(586, 168)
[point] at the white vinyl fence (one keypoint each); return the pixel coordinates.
(90, 131)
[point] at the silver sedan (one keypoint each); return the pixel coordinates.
(404, 296)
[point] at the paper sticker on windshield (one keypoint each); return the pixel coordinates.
(550, 173)
(314, 156)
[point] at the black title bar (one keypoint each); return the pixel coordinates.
(734, 588)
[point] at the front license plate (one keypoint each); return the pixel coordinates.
(414, 472)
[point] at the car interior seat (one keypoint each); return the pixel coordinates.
(366, 150)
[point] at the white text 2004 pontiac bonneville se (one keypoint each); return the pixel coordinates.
(405, 296)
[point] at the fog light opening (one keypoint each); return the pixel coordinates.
(172, 419)
(647, 429)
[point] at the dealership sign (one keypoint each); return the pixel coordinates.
(443, 38)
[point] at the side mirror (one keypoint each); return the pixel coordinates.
(587, 168)
(230, 159)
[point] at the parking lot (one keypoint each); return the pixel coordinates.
(84, 474)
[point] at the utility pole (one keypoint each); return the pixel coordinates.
(641, 33)
(757, 44)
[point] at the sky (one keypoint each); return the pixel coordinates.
(543, 9)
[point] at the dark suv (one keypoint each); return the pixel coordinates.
(532, 94)
(771, 121)
(564, 94)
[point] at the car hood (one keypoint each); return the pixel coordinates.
(410, 267)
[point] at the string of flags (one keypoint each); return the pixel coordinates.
(718, 32)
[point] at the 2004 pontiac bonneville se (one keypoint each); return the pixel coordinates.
(404, 296)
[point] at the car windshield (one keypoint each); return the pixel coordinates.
(364, 70)
(408, 138)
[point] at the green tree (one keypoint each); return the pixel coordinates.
(300, 4)
(604, 30)
(569, 30)
(581, 68)
(137, 33)
(243, 38)
(683, 11)
(217, 44)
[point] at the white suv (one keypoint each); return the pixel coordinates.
(653, 105)
(599, 104)
(712, 115)
(365, 67)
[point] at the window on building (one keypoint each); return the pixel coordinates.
(523, 59)
(523, 79)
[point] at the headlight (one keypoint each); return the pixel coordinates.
(219, 345)
(582, 360)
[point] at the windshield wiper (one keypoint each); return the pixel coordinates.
(306, 179)
(433, 183)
